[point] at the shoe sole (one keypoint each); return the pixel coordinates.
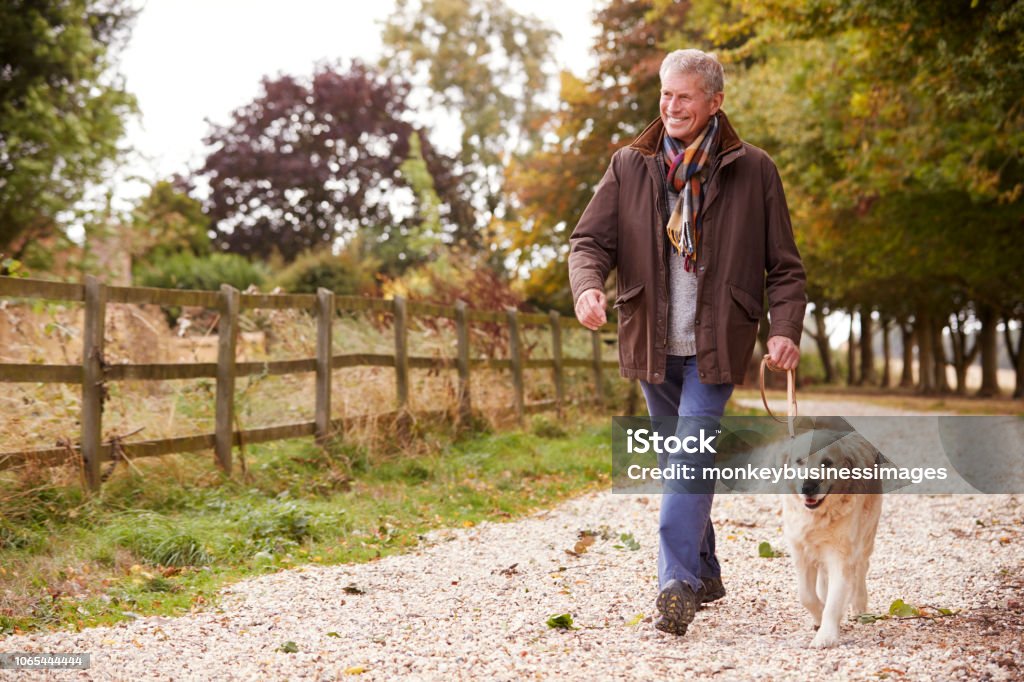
(676, 611)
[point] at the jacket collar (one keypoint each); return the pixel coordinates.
(649, 141)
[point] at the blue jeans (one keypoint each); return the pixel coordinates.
(686, 547)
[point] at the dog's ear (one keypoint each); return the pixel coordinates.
(793, 451)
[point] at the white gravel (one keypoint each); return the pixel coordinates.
(457, 609)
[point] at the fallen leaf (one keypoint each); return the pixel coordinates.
(561, 622)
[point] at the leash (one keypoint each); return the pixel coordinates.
(791, 410)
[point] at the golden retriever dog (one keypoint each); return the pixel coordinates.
(829, 523)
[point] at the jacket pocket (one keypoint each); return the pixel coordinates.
(750, 305)
(628, 295)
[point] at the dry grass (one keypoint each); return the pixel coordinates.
(41, 415)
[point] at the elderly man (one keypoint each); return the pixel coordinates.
(695, 221)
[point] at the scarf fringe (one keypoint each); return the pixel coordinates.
(685, 232)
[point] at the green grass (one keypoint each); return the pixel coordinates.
(162, 537)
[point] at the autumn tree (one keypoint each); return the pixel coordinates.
(899, 124)
(62, 109)
(486, 65)
(310, 162)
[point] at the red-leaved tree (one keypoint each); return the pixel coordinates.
(309, 162)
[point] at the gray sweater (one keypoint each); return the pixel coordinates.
(682, 297)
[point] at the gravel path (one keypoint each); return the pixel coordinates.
(472, 604)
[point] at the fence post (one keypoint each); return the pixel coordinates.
(595, 342)
(462, 333)
(515, 354)
(401, 352)
(227, 338)
(556, 356)
(324, 351)
(92, 378)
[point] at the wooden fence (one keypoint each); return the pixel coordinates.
(94, 373)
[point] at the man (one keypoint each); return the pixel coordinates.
(695, 221)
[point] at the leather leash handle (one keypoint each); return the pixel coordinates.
(791, 409)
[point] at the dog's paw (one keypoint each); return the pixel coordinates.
(824, 640)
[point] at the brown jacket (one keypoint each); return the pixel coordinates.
(747, 246)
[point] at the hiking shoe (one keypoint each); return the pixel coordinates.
(711, 589)
(677, 605)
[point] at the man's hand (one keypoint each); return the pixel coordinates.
(784, 353)
(590, 309)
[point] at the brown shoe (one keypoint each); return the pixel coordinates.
(677, 605)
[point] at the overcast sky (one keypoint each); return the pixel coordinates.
(192, 60)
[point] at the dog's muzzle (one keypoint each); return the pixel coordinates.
(811, 495)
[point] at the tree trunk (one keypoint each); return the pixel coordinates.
(824, 349)
(886, 352)
(939, 353)
(907, 375)
(925, 359)
(868, 375)
(963, 355)
(851, 355)
(987, 340)
(1016, 356)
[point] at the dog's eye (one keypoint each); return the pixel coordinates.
(827, 463)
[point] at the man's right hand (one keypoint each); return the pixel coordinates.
(590, 309)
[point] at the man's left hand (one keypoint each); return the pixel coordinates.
(784, 353)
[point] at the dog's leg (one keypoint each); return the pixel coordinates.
(806, 576)
(859, 604)
(822, 585)
(840, 575)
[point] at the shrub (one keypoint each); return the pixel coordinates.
(344, 273)
(456, 276)
(187, 271)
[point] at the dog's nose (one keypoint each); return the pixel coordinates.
(809, 488)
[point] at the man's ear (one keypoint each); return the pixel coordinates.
(716, 101)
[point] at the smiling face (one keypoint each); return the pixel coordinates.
(685, 107)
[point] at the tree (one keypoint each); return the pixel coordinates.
(901, 124)
(168, 221)
(308, 163)
(487, 65)
(62, 109)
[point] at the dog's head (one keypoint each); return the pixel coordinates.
(829, 470)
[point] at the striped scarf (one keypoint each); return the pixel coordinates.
(684, 171)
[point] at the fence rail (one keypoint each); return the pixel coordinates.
(93, 373)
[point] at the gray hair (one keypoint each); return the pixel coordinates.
(704, 64)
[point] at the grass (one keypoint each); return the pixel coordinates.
(164, 535)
